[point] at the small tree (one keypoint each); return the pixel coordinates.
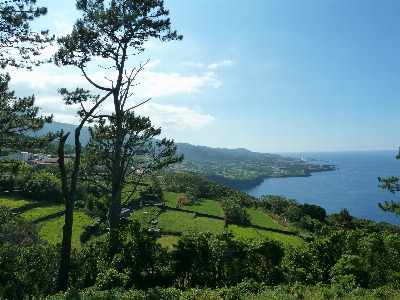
(140, 156)
(19, 116)
(392, 185)
(19, 47)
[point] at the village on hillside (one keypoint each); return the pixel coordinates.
(35, 159)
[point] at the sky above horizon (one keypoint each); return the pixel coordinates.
(268, 76)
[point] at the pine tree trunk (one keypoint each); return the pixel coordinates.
(115, 201)
(66, 246)
(69, 193)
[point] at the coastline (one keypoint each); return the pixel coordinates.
(242, 185)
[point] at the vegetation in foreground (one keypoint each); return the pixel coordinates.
(229, 257)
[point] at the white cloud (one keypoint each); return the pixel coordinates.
(45, 81)
(42, 80)
(63, 27)
(199, 109)
(165, 116)
(150, 84)
(221, 64)
(56, 107)
(154, 84)
(174, 116)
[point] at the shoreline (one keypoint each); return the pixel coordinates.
(245, 184)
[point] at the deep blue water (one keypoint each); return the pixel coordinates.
(353, 186)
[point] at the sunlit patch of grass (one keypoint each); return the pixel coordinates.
(132, 197)
(144, 214)
(209, 207)
(13, 202)
(42, 211)
(262, 219)
(170, 199)
(168, 241)
(184, 222)
(51, 230)
(241, 231)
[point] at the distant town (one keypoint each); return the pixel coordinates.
(35, 159)
(241, 168)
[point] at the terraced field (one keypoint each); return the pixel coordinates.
(47, 216)
(262, 219)
(170, 199)
(172, 223)
(41, 211)
(208, 207)
(51, 230)
(184, 222)
(242, 231)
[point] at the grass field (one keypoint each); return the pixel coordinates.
(127, 192)
(13, 202)
(170, 199)
(51, 230)
(39, 212)
(261, 219)
(176, 221)
(249, 232)
(179, 222)
(184, 222)
(168, 241)
(209, 207)
(144, 214)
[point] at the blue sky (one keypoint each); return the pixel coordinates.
(269, 76)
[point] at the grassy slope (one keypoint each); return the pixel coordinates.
(44, 210)
(262, 219)
(170, 199)
(144, 215)
(186, 222)
(208, 207)
(13, 202)
(173, 223)
(50, 230)
(241, 231)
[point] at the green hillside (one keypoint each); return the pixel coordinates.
(49, 218)
(198, 240)
(173, 223)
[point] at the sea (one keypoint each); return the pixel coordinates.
(353, 185)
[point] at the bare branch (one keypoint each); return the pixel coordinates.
(93, 83)
(141, 103)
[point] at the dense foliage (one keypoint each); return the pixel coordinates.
(201, 265)
(20, 47)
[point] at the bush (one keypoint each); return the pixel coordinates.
(30, 271)
(233, 211)
(41, 186)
